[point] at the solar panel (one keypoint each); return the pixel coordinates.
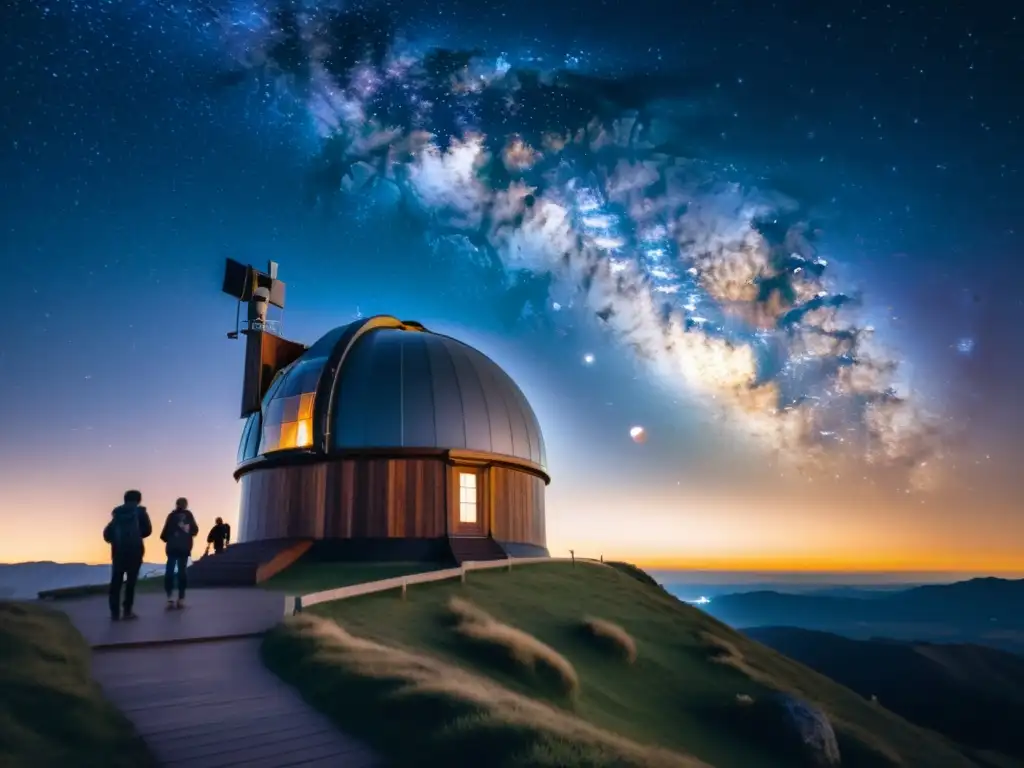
(237, 282)
(240, 280)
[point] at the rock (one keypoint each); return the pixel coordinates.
(812, 727)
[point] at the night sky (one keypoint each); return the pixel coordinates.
(786, 241)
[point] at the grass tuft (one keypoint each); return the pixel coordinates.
(727, 653)
(439, 709)
(611, 637)
(509, 644)
(51, 711)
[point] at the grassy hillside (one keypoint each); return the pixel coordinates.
(470, 676)
(920, 680)
(51, 711)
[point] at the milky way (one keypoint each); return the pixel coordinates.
(716, 287)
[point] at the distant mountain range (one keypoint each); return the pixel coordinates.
(972, 694)
(24, 581)
(690, 591)
(987, 611)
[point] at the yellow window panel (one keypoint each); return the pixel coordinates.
(289, 434)
(306, 406)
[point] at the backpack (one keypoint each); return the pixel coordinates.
(179, 541)
(125, 533)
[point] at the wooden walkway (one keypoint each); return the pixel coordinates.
(214, 704)
(211, 614)
(194, 686)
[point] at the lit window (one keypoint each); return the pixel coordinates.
(288, 410)
(467, 497)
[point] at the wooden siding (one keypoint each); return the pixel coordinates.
(388, 498)
(282, 503)
(359, 498)
(517, 500)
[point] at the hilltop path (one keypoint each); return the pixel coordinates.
(194, 686)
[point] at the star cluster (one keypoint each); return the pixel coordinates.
(715, 285)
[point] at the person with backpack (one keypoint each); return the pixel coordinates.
(129, 525)
(179, 530)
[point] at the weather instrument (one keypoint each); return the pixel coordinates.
(266, 352)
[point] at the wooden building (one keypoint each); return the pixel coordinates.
(384, 440)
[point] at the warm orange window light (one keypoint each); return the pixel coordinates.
(467, 497)
(304, 433)
(288, 416)
(288, 434)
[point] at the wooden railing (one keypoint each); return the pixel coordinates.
(296, 603)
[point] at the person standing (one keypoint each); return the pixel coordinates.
(179, 530)
(129, 525)
(220, 536)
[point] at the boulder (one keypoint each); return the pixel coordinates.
(812, 728)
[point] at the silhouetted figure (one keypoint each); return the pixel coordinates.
(179, 529)
(220, 536)
(129, 525)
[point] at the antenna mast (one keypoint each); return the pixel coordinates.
(266, 352)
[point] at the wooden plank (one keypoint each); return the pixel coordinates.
(225, 712)
(215, 739)
(284, 751)
(198, 697)
(213, 732)
(232, 745)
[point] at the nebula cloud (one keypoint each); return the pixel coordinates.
(715, 287)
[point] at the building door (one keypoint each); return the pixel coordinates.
(469, 511)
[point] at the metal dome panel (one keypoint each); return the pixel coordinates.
(412, 389)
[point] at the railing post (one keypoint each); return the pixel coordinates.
(404, 584)
(297, 609)
(572, 554)
(510, 563)
(462, 574)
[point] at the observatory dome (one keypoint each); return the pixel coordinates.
(381, 383)
(385, 441)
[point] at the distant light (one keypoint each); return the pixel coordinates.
(965, 346)
(639, 434)
(588, 359)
